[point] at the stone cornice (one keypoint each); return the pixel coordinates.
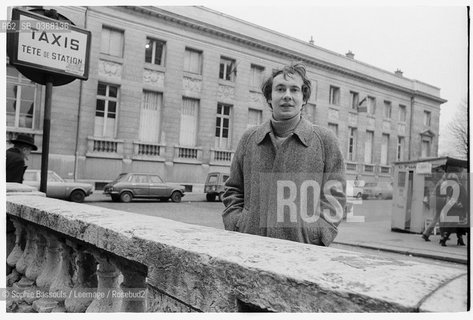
(268, 47)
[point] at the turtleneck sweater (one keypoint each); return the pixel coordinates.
(284, 128)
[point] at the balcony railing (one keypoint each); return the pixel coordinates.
(148, 151)
(222, 157)
(351, 166)
(187, 154)
(384, 169)
(104, 147)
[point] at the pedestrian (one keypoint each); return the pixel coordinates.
(287, 177)
(16, 156)
(456, 208)
(436, 201)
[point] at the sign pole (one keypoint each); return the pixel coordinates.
(46, 130)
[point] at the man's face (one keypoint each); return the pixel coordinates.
(26, 151)
(286, 96)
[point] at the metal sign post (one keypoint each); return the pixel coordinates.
(43, 186)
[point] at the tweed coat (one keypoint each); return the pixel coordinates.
(279, 192)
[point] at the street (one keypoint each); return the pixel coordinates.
(194, 209)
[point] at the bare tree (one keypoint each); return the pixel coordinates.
(458, 129)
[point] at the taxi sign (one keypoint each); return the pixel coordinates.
(49, 45)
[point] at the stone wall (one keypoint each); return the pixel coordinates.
(69, 257)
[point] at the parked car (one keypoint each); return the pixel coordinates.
(214, 185)
(355, 188)
(378, 190)
(57, 188)
(142, 185)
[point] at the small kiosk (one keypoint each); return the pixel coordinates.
(414, 182)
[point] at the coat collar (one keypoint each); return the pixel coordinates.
(303, 131)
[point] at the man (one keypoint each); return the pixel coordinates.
(435, 201)
(16, 156)
(287, 178)
(457, 207)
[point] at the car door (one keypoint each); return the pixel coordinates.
(158, 188)
(140, 185)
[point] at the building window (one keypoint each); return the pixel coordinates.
(384, 149)
(387, 109)
(256, 76)
(425, 148)
(222, 126)
(227, 69)
(154, 51)
(112, 42)
(427, 118)
(150, 116)
(106, 110)
(189, 120)
(402, 113)
(400, 149)
(369, 146)
(371, 105)
(254, 117)
(334, 128)
(354, 100)
(21, 97)
(193, 61)
(352, 144)
(334, 97)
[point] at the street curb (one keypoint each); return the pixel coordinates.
(407, 252)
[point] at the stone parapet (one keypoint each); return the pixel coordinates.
(131, 262)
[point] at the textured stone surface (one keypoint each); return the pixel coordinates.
(211, 270)
(445, 299)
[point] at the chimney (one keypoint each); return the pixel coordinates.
(311, 41)
(398, 73)
(350, 55)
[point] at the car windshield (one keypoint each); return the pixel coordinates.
(212, 179)
(53, 177)
(120, 177)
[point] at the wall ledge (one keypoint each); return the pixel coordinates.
(184, 262)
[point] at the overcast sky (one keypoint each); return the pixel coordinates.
(428, 43)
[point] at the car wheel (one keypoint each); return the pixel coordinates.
(358, 196)
(77, 196)
(210, 197)
(220, 196)
(176, 196)
(379, 196)
(115, 198)
(126, 197)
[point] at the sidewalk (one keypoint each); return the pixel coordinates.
(378, 235)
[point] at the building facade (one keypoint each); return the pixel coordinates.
(172, 89)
